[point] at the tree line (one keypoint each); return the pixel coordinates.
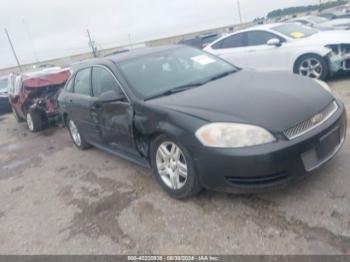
(304, 9)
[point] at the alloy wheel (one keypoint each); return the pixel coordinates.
(75, 133)
(311, 67)
(171, 165)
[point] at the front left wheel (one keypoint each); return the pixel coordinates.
(173, 168)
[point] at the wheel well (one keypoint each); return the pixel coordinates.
(143, 142)
(302, 56)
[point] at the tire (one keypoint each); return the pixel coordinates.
(78, 139)
(36, 120)
(181, 187)
(17, 117)
(313, 66)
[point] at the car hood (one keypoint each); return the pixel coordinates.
(275, 101)
(327, 38)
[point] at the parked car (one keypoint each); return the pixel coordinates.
(287, 47)
(201, 41)
(198, 121)
(117, 52)
(5, 107)
(336, 14)
(33, 97)
(322, 23)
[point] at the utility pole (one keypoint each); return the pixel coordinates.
(92, 44)
(13, 50)
(239, 12)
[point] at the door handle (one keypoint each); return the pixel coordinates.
(251, 51)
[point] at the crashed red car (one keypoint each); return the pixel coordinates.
(33, 97)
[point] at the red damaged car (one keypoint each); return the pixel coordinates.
(33, 97)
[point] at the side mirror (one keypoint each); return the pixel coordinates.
(274, 42)
(111, 96)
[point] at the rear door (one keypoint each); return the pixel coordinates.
(232, 49)
(114, 118)
(79, 102)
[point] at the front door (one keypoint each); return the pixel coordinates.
(112, 114)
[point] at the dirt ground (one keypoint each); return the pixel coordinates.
(55, 199)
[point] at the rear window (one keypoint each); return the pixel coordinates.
(295, 31)
(230, 42)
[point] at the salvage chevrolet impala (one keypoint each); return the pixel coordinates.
(200, 122)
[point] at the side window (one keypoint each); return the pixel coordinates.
(69, 86)
(255, 38)
(82, 82)
(218, 45)
(233, 41)
(103, 81)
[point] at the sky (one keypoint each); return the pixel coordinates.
(47, 29)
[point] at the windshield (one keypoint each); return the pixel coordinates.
(152, 75)
(3, 84)
(295, 31)
(317, 19)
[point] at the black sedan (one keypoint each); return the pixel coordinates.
(200, 122)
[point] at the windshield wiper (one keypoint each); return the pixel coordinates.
(191, 85)
(221, 76)
(177, 90)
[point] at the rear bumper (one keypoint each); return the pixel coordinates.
(261, 167)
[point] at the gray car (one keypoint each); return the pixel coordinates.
(323, 23)
(4, 100)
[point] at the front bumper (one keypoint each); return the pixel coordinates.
(260, 167)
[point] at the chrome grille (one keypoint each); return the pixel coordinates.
(313, 122)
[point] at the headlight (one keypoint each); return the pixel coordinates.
(324, 85)
(231, 135)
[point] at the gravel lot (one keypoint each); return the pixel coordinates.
(55, 199)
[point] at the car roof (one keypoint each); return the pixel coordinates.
(258, 27)
(140, 52)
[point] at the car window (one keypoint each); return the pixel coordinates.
(69, 86)
(295, 31)
(255, 38)
(82, 82)
(103, 81)
(230, 42)
(151, 75)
